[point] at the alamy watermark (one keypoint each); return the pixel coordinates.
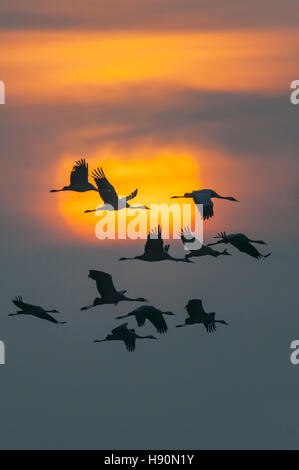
(294, 357)
(138, 223)
(295, 94)
(2, 92)
(2, 353)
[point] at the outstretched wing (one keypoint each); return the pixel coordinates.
(210, 325)
(208, 211)
(130, 340)
(140, 315)
(104, 283)
(132, 195)
(195, 309)
(157, 319)
(120, 329)
(203, 197)
(18, 301)
(246, 247)
(186, 236)
(106, 190)
(155, 244)
(79, 174)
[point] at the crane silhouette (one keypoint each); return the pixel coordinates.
(155, 250)
(198, 315)
(110, 198)
(107, 291)
(188, 241)
(242, 243)
(34, 310)
(204, 197)
(122, 333)
(152, 314)
(79, 179)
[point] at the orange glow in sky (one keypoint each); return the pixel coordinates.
(117, 68)
(157, 178)
(89, 67)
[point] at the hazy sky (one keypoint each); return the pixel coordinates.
(175, 95)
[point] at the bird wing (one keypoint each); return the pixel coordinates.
(202, 197)
(18, 301)
(246, 247)
(195, 310)
(106, 190)
(210, 324)
(157, 319)
(132, 195)
(130, 340)
(186, 236)
(120, 329)
(154, 245)
(105, 284)
(79, 174)
(140, 316)
(208, 210)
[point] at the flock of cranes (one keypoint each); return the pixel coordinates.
(155, 250)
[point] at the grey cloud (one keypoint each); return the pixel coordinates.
(148, 14)
(248, 124)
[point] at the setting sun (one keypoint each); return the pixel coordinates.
(157, 178)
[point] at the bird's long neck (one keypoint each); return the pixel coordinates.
(228, 198)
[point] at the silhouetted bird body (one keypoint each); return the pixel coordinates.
(122, 333)
(155, 249)
(198, 315)
(190, 242)
(204, 197)
(152, 314)
(242, 243)
(110, 198)
(107, 291)
(34, 310)
(79, 179)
